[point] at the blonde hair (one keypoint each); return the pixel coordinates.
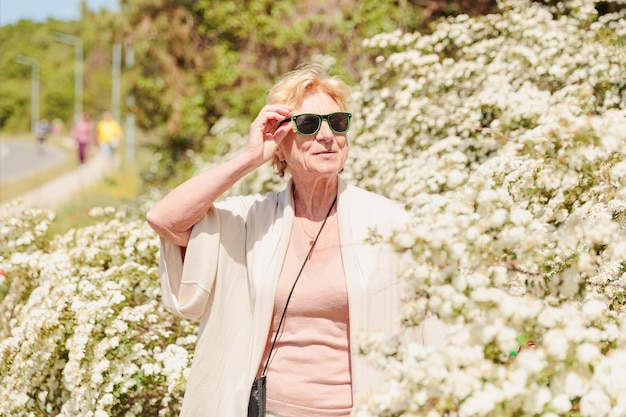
(293, 87)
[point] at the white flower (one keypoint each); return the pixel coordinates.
(549, 317)
(575, 385)
(481, 402)
(610, 375)
(595, 404)
(536, 400)
(593, 308)
(520, 216)
(618, 172)
(532, 361)
(455, 178)
(107, 399)
(561, 404)
(617, 251)
(587, 353)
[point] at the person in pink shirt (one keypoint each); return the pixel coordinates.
(83, 133)
(283, 282)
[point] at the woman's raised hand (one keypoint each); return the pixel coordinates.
(262, 140)
(174, 216)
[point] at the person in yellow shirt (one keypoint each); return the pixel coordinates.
(109, 134)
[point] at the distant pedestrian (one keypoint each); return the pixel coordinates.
(83, 134)
(42, 130)
(109, 135)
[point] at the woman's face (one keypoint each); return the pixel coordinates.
(321, 155)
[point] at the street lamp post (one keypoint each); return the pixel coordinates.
(129, 60)
(116, 84)
(34, 88)
(78, 69)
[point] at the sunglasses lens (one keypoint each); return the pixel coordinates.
(308, 124)
(339, 122)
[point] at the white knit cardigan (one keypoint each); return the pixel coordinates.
(229, 277)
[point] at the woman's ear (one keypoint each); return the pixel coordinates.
(281, 166)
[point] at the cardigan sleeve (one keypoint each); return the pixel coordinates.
(186, 287)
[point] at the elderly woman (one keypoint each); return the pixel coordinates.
(242, 263)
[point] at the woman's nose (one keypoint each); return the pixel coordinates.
(325, 133)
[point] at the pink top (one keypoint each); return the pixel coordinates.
(83, 131)
(309, 373)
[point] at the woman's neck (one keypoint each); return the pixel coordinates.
(312, 200)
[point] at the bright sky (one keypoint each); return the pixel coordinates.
(40, 10)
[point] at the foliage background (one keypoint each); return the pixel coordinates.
(504, 134)
(188, 63)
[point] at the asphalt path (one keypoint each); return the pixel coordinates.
(51, 194)
(21, 158)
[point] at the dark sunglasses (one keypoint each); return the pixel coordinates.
(309, 124)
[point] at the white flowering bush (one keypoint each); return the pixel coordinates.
(82, 328)
(506, 137)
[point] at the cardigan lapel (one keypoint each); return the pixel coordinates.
(266, 269)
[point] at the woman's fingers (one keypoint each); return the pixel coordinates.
(262, 140)
(269, 117)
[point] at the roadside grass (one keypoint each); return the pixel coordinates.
(14, 189)
(116, 188)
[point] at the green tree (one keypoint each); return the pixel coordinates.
(98, 31)
(200, 61)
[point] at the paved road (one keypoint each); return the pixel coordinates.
(57, 191)
(20, 159)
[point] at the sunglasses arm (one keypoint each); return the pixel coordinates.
(282, 122)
